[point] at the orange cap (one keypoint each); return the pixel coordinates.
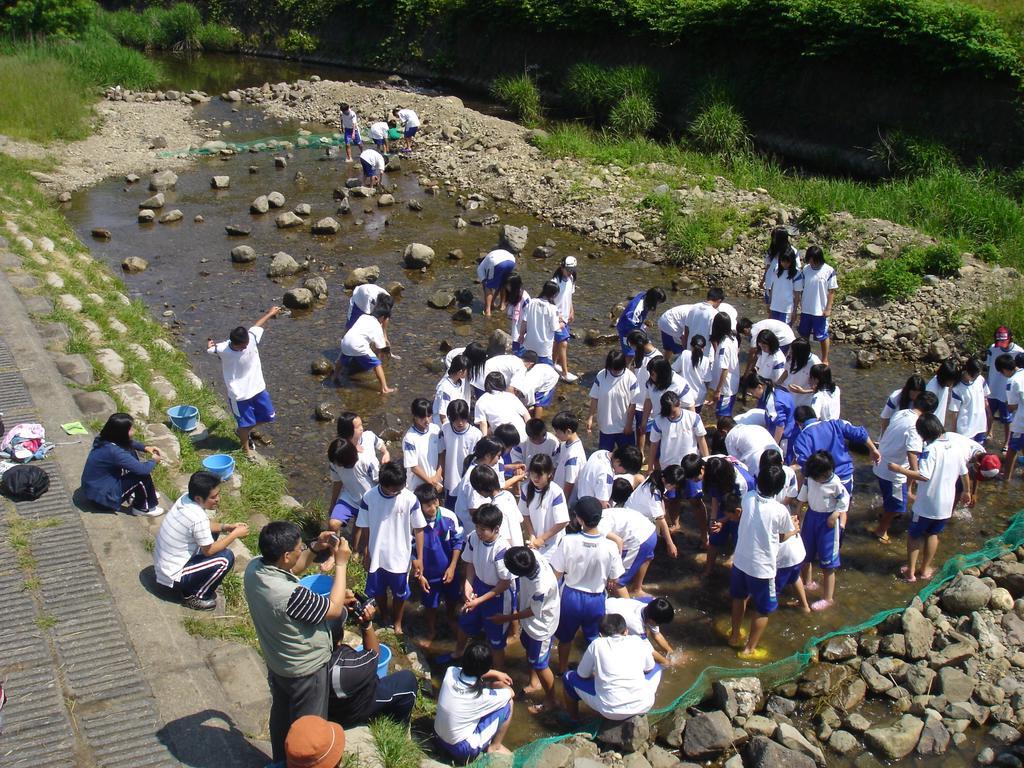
(313, 742)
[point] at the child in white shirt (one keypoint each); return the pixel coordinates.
(353, 467)
(421, 447)
(451, 387)
(350, 129)
(487, 583)
(357, 345)
(541, 322)
(815, 289)
(604, 467)
(675, 433)
(538, 440)
(969, 400)
(638, 534)
(458, 439)
(612, 398)
(570, 456)
(543, 506)
(538, 384)
(499, 406)
(828, 503)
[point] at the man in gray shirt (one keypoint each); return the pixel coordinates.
(294, 624)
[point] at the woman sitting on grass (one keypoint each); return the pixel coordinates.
(113, 474)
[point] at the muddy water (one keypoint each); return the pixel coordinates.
(190, 273)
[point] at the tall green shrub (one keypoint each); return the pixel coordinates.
(910, 156)
(595, 91)
(48, 18)
(633, 115)
(719, 129)
(892, 280)
(520, 94)
(178, 28)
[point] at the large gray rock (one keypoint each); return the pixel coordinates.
(1009, 576)
(935, 737)
(276, 199)
(171, 216)
(298, 298)
(660, 758)
(499, 343)
(134, 264)
(954, 685)
(625, 736)
(762, 752)
(133, 399)
(303, 209)
(326, 226)
(287, 220)
(385, 200)
(242, 254)
(260, 205)
(362, 275)
(965, 595)
(707, 734)
(918, 633)
(75, 368)
(840, 648)
(146, 216)
(555, 755)
(316, 285)
(843, 742)
(163, 180)
(153, 203)
(359, 191)
(95, 405)
(919, 679)
(791, 738)
(418, 255)
(738, 696)
(896, 741)
(111, 362)
(282, 265)
(513, 238)
(441, 299)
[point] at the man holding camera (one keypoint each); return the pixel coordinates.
(357, 694)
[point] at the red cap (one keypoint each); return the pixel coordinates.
(1002, 336)
(989, 466)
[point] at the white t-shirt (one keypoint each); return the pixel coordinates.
(362, 476)
(467, 499)
(652, 394)
(643, 375)
(536, 382)
(487, 558)
(243, 373)
(566, 290)
(633, 527)
(699, 320)
(770, 366)
(460, 707)
(731, 311)
(781, 293)
(485, 269)
(365, 297)
(569, 461)
(968, 402)
(614, 393)
(420, 449)
(379, 130)
(528, 449)
(545, 512)
(900, 438)
(828, 497)
(726, 358)
(1015, 396)
(942, 464)
(374, 158)
(747, 442)
(446, 391)
(695, 376)
(512, 518)
(619, 666)
(673, 321)
(647, 499)
(802, 379)
(391, 521)
(792, 551)
(967, 448)
(815, 285)
(757, 540)
(596, 477)
(588, 561)
(632, 611)
(892, 404)
(501, 408)
(677, 437)
(515, 315)
(540, 593)
(541, 320)
(456, 446)
(996, 380)
(409, 118)
(349, 119)
(365, 334)
(940, 392)
(826, 405)
(783, 332)
(509, 366)
(184, 531)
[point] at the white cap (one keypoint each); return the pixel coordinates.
(570, 261)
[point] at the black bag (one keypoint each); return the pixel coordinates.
(25, 483)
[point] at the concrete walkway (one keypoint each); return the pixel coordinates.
(99, 671)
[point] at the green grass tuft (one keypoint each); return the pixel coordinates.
(42, 100)
(520, 94)
(394, 747)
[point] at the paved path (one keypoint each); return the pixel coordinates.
(99, 672)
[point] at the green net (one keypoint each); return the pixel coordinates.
(789, 668)
(269, 144)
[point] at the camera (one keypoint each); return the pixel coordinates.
(358, 611)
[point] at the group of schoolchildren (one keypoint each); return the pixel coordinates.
(521, 534)
(397, 132)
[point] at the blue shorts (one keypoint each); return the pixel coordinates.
(609, 441)
(478, 620)
(544, 399)
(352, 137)
(255, 410)
(782, 317)
(925, 526)
(786, 576)
(579, 609)
(368, 170)
(563, 334)
(724, 407)
(1016, 441)
(821, 542)
(760, 591)
(726, 537)
(440, 591)
(486, 729)
(410, 132)
(1000, 410)
(894, 497)
(980, 438)
(644, 554)
(627, 350)
(671, 344)
(584, 689)
(501, 273)
(359, 362)
(353, 314)
(538, 652)
(690, 489)
(379, 143)
(380, 581)
(343, 512)
(813, 324)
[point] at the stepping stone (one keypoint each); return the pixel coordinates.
(95, 405)
(134, 398)
(111, 362)
(74, 368)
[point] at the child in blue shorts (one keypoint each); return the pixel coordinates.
(487, 583)
(442, 548)
(723, 477)
(828, 502)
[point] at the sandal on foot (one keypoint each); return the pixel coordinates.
(812, 586)
(757, 654)
(821, 605)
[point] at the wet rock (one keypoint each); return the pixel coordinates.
(1000, 601)
(326, 226)
(298, 298)
(840, 648)
(707, 734)
(418, 256)
(866, 359)
(934, 738)
(275, 199)
(954, 685)
(1009, 576)
(134, 264)
(260, 205)
(780, 706)
(738, 696)
(146, 216)
(100, 233)
(464, 297)
(499, 343)
(415, 205)
(163, 180)
(236, 231)
(460, 223)
(758, 725)
(896, 741)
(851, 693)
(171, 216)
(819, 679)
(303, 209)
(1004, 734)
(359, 191)
(154, 202)
(555, 755)
(894, 645)
(543, 252)
(456, 254)
(280, 162)
(64, 197)
(132, 178)
(282, 265)
(287, 220)
(362, 275)
(938, 351)
(857, 723)
(762, 752)
(395, 288)
(220, 182)
(513, 238)
(344, 207)
(441, 299)
(242, 254)
(625, 736)
(791, 738)
(324, 412)
(316, 285)
(463, 314)
(198, 218)
(133, 399)
(352, 183)
(385, 200)
(918, 633)
(952, 654)
(321, 367)
(965, 595)
(843, 742)
(671, 728)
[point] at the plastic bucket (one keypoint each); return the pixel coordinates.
(184, 417)
(220, 464)
(385, 660)
(320, 583)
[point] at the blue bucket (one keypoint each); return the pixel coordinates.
(385, 660)
(184, 417)
(320, 583)
(220, 464)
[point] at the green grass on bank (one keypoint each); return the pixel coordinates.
(179, 27)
